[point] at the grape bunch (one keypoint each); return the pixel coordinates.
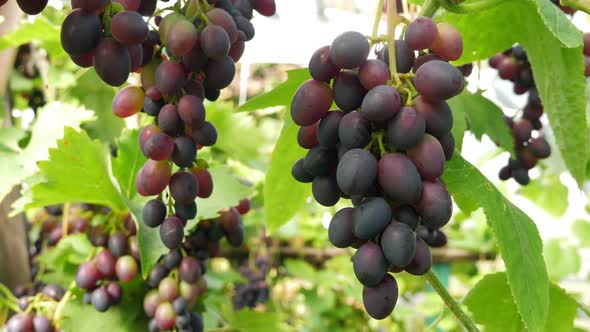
(37, 305)
(526, 127)
(256, 290)
(178, 281)
(117, 261)
(385, 149)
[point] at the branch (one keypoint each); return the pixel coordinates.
(450, 302)
(429, 9)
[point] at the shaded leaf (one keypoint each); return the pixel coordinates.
(548, 193)
(563, 258)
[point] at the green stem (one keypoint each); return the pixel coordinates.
(392, 20)
(378, 13)
(450, 302)
(57, 316)
(583, 5)
(429, 9)
(382, 150)
(473, 6)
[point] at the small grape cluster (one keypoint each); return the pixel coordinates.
(256, 290)
(116, 261)
(51, 221)
(177, 282)
(37, 306)
(385, 149)
(526, 128)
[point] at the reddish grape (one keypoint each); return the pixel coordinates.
(321, 67)
(311, 102)
(129, 28)
(421, 33)
(181, 38)
(448, 43)
(153, 177)
(112, 62)
(128, 101)
(80, 32)
(372, 73)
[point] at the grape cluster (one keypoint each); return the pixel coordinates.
(177, 282)
(37, 306)
(117, 261)
(526, 127)
(256, 290)
(385, 149)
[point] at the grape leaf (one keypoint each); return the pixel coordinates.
(128, 162)
(563, 258)
(280, 95)
(254, 321)
(15, 167)
(40, 30)
(548, 193)
(77, 171)
(581, 230)
(545, 36)
(517, 237)
(123, 317)
(283, 196)
(492, 306)
(95, 95)
(459, 122)
(9, 138)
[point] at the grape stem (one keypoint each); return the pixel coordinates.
(450, 302)
(57, 316)
(65, 220)
(378, 13)
(392, 21)
(583, 5)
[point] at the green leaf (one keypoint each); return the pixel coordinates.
(128, 162)
(283, 196)
(546, 38)
(95, 95)
(77, 171)
(40, 30)
(548, 193)
(279, 96)
(253, 321)
(9, 138)
(516, 234)
(459, 122)
(123, 317)
(493, 307)
(300, 268)
(47, 129)
(581, 230)
(563, 258)
(238, 135)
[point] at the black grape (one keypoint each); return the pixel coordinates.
(421, 33)
(354, 130)
(129, 28)
(435, 206)
(100, 299)
(406, 129)
(32, 7)
(325, 190)
(422, 262)
(320, 161)
(380, 301)
(185, 151)
(539, 147)
(521, 175)
(170, 77)
(184, 187)
(135, 56)
(169, 120)
(172, 232)
(369, 264)
(348, 91)
(371, 217)
(112, 62)
(505, 173)
(404, 56)
(340, 230)
(372, 73)
(185, 211)
(220, 73)
(356, 172)
(154, 213)
(118, 244)
(147, 7)
(438, 116)
(406, 215)
(399, 178)
(321, 67)
(245, 26)
(521, 130)
(311, 102)
(381, 103)
(439, 239)
(349, 50)
(424, 59)
(327, 130)
(307, 137)
(152, 107)
(214, 42)
(447, 142)
(428, 157)
(80, 32)
(206, 135)
(398, 243)
(438, 80)
(299, 173)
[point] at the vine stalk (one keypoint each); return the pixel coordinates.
(392, 21)
(450, 302)
(429, 9)
(378, 13)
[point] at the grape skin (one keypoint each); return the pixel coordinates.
(80, 32)
(340, 230)
(421, 33)
(325, 190)
(371, 217)
(437, 115)
(347, 91)
(354, 130)
(380, 301)
(327, 130)
(369, 264)
(428, 157)
(399, 178)
(435, 206)
(437, 80)
(381, 103)
(406, 129)
(112, 62)
(311, 102)
(129, 28)
(356, 172)
(321, 67)
(398, 243)
(349, 50)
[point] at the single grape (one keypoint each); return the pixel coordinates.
(170, 77)
(369, 264)
(299, 173)
(508, 68)
(447, 142)
(100, 299)
(20, 322)
(356, 172)
(153, 177)
(150, 302)
(189, 270)
(320, 161)
(428, 157)
(128, 28)
(348, 91)
(421, 33)
(540, 147)
(135, 57)
(327, 130)
(165, 316)
(166, 23)
(154, 213)
(172, 232)
(181, 38)
(185, 151)
(264, 7)
(325, 190)
(399, 178)
(381, 103)
(307, 137)
(84, 60)
(372, 73)
(437, 115)
(521, 130)
(448, 43)
(380, 301)
(220, 17)
(349, 50)
(105, 263)
(406, 129)
(128, 101)
(214, 42)
(437, 80)
(521, 175)
(404, 56)
(147, 7)
(118, 244)
(206, 135)
(422, 261)
(405, 214)
(398, 243)
(112, 62)
(196, 59)
(205, 182)
(220, 72)
(340, 230)
(371, 217)
(87, 275)
(80, 32)
(42, 324)
(354, 130)
(184, 187)
(321, 67)
(159, 147)
(424, 59)
(169, 120)
(245, 26)
(126, 268)
(156, 275)
(191, 110)
(435, 205)
(311, 102)
(185, 211)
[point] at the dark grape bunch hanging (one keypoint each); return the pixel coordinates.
(384, 149)
(526, 127)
